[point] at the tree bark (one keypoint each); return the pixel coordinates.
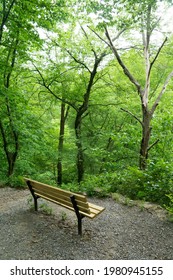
(146, 133)
(11, 156)
(80, 155)
(64, 114)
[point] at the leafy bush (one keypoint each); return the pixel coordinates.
(45, 209)
(169, 207)
(99, 185)
(16, 181)
(153, 184)
(129, 182)
(158, 182)
(74, 187)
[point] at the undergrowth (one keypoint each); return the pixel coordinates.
(154, 184)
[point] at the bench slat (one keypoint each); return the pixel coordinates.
(60, 196)
(55, 201)
(95, 210)
(91, 205)
(81, 205)
(39, 186)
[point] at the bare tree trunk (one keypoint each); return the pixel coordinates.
(146, 133)
(64, 114)
(11, 162)
(11, 156)
(80, 155)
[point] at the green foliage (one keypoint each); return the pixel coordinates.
(63, 216)
(31, 96)
(30, 203)
(96, 185)
(169, 206)
(151, 185)
(74, 187)
(158, 182)
(45, 209)
(16, 181)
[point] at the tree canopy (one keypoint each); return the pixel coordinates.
(86, 95)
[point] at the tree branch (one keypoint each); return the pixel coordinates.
(86, 35)
(3, 136)
(49, 89)
(136, 118)
(161, 93)
(152, 145)
(157, 54)
(78, 61)
(5, 16)
(105, 105)
(118, 35)
(99, 36)
(121, 63)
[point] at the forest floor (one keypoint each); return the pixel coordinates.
(120, 232)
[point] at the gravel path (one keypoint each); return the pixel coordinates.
(120, 232)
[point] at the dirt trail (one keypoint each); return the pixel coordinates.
(120, 232)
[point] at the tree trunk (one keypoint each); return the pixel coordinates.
(80, 155)
(64, 115)
(83, 108)
(146, 133)
(11, 156)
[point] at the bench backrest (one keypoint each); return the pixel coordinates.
(59, 196)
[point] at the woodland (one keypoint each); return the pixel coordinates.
(86, 96)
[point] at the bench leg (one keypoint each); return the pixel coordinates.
(33, 194)
(79, 225)
(79, 216)
(35, 203)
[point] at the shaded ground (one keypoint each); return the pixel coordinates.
(120, 232)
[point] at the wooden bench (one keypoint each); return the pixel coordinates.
(72, 201)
